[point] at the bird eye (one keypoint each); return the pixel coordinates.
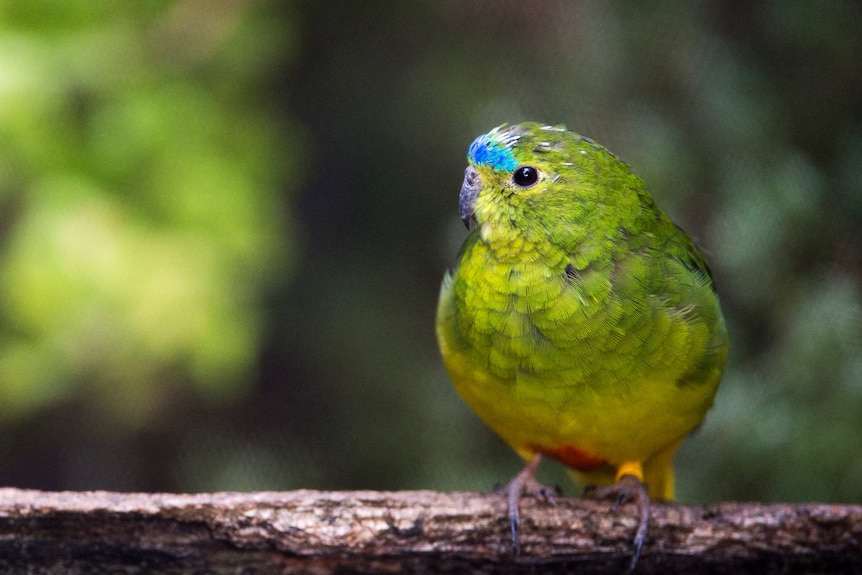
(525, 176)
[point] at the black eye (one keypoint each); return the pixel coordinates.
(525, 176)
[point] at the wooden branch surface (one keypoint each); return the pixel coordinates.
(411, 531)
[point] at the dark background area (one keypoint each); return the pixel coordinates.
(223, 227)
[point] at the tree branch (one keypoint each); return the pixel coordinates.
(414, 531)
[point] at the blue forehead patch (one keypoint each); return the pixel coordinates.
(490, 152)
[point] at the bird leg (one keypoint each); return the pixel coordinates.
(525, 483)
(629, 486)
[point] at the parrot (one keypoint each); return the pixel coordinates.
(578, 321)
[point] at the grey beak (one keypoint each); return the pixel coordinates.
(469, 192)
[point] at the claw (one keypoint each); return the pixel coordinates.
(525, 483)
(629, 487)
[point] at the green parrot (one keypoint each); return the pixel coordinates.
(579, 321)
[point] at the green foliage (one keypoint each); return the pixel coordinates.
(140, 187)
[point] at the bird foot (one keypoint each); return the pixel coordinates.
(525, 483)
(628, 488)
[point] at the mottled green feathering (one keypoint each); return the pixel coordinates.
(579, 321)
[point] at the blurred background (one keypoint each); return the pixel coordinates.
(223, 226)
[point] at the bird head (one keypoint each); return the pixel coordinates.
(531, 178)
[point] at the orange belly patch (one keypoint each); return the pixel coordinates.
(572, 456)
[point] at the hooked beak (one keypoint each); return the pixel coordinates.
(469, 192)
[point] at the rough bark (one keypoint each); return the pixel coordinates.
(415, 531)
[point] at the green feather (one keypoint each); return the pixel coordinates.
(578, 318)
